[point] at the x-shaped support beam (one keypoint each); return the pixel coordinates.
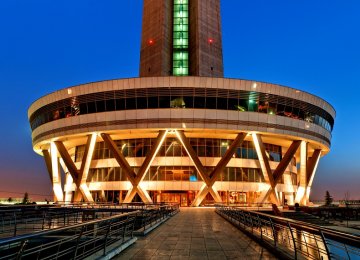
(135, 179)
(265, 168)
(79, 176)
(273, 178)
(209, 180)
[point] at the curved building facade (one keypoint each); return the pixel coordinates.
(192, 140)
(181, 132)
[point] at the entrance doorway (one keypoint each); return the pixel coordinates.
(184, 198)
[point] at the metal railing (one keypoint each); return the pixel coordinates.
(22, 221)
(19, 220)
(293, 239)
(72, 242)
(154, 215)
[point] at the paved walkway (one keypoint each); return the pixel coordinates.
(196, 233)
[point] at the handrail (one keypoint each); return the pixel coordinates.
(292, 237)
(60, 229)
(71, 242)
(312, 228)
(22, 221)
(82, 240)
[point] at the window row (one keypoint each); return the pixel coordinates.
(176, 173)
(203, 147)
(101, 103)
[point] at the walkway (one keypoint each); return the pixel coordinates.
(196, 233)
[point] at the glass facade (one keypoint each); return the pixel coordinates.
(181, 38)
(204, 147)
(176, 97)
(176, 173)
(182, 173)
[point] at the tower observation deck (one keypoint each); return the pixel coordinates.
(181, 132)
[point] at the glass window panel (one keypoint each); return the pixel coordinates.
(253, 105)
(120, 104)
(83, 109)
(222, 103)
(189, 102)
(233, 104)
(100, 106)
(153, 102)
(231, 173)
(110, 105)
(199, 102)
(91, 107)
(141, 103)
(130, 103)
(243, 105)
(164, 102)
(211, 102)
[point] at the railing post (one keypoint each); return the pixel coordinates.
(325, 244)
(347, 252)
(293, 239)
(273, 231)
(318, 248)
(306, 244)
(43, 220)
(106, 237)
(15, 224)
(243, 220)
(251, 220)
(77, 241)
(260, 226)
(21, 250)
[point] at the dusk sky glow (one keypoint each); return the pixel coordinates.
(49, 45)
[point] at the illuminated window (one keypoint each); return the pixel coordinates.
(181, 38)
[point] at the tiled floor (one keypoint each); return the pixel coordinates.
(196, 233)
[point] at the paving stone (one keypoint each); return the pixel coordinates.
(198, 252)
(181, 252)
(196, 233)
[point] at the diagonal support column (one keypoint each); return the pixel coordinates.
(67, 160)
(280, 169)
(312, 164)
(130, 174)
(79, 176)
(47, 158)
(209, 181)
(226, 158)
(145, 167)
(84, 170)
(300, 193)
(311, 167)
(56, 175)
(265, 169)
(68, 187)
(193, 156)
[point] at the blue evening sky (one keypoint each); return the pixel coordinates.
(312, 45)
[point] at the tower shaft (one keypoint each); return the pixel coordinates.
(180, 38)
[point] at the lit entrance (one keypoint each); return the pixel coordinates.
(184, 198)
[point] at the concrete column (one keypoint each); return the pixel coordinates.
(56, 175)
(302, 175)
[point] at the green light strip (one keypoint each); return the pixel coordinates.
(181, 38)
